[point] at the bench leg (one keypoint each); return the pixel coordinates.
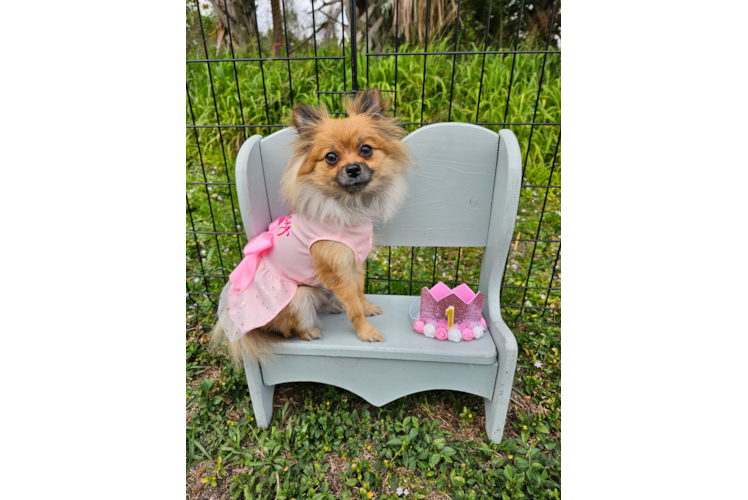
(497, 408)
(261, 394)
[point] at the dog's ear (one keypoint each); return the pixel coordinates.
(368, 102)
(306, 118)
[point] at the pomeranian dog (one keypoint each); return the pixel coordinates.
(344, 175)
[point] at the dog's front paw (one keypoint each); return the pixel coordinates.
(370, 334)
(372, 310)
(314, 333)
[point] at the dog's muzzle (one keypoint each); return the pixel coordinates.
(354, 176)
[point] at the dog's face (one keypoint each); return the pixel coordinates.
(343, 154)
(352, 169)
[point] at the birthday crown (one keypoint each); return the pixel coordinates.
(454, 314)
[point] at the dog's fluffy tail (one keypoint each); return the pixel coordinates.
(258, 344)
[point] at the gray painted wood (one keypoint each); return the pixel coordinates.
(261, 393)
(449, 194)
(253, 204)
(401, 341)
(503, 215)
(250, 188)
(464, 193)
(380, 381)
(498, 405)
(276, 152)
(449, 200)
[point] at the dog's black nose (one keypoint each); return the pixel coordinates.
(353, 170)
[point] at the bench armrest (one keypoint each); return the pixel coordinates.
(250, 188)
(507, 185)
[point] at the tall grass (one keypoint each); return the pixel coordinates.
(215, 208)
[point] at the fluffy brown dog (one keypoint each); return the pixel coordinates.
(346, 172)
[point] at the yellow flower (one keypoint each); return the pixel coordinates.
(470, 415)
(472, 491)
(524, 427)
(511, 457)
(370, 494)
(328, 403)
(285, 469)
(353, 465)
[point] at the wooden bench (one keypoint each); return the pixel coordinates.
(464, 193)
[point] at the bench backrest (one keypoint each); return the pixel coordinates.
(464, 192)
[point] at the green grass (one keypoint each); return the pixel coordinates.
(325, 442)
(305, 434)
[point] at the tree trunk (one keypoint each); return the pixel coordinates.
(277, 28)
(360, 21)
(330, 24)
(242, 16)
(345, 17)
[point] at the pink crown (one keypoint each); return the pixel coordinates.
(455, 314)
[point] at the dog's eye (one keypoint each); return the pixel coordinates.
(331, 158)
(365, 150)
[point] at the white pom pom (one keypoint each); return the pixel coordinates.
(454, 335)
(429, 330)
(478, 331)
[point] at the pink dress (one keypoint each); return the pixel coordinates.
(275, 264)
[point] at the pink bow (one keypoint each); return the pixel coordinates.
(244, 273)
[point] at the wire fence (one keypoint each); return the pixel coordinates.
(230, 97)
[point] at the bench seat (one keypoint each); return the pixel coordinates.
(401, 341)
